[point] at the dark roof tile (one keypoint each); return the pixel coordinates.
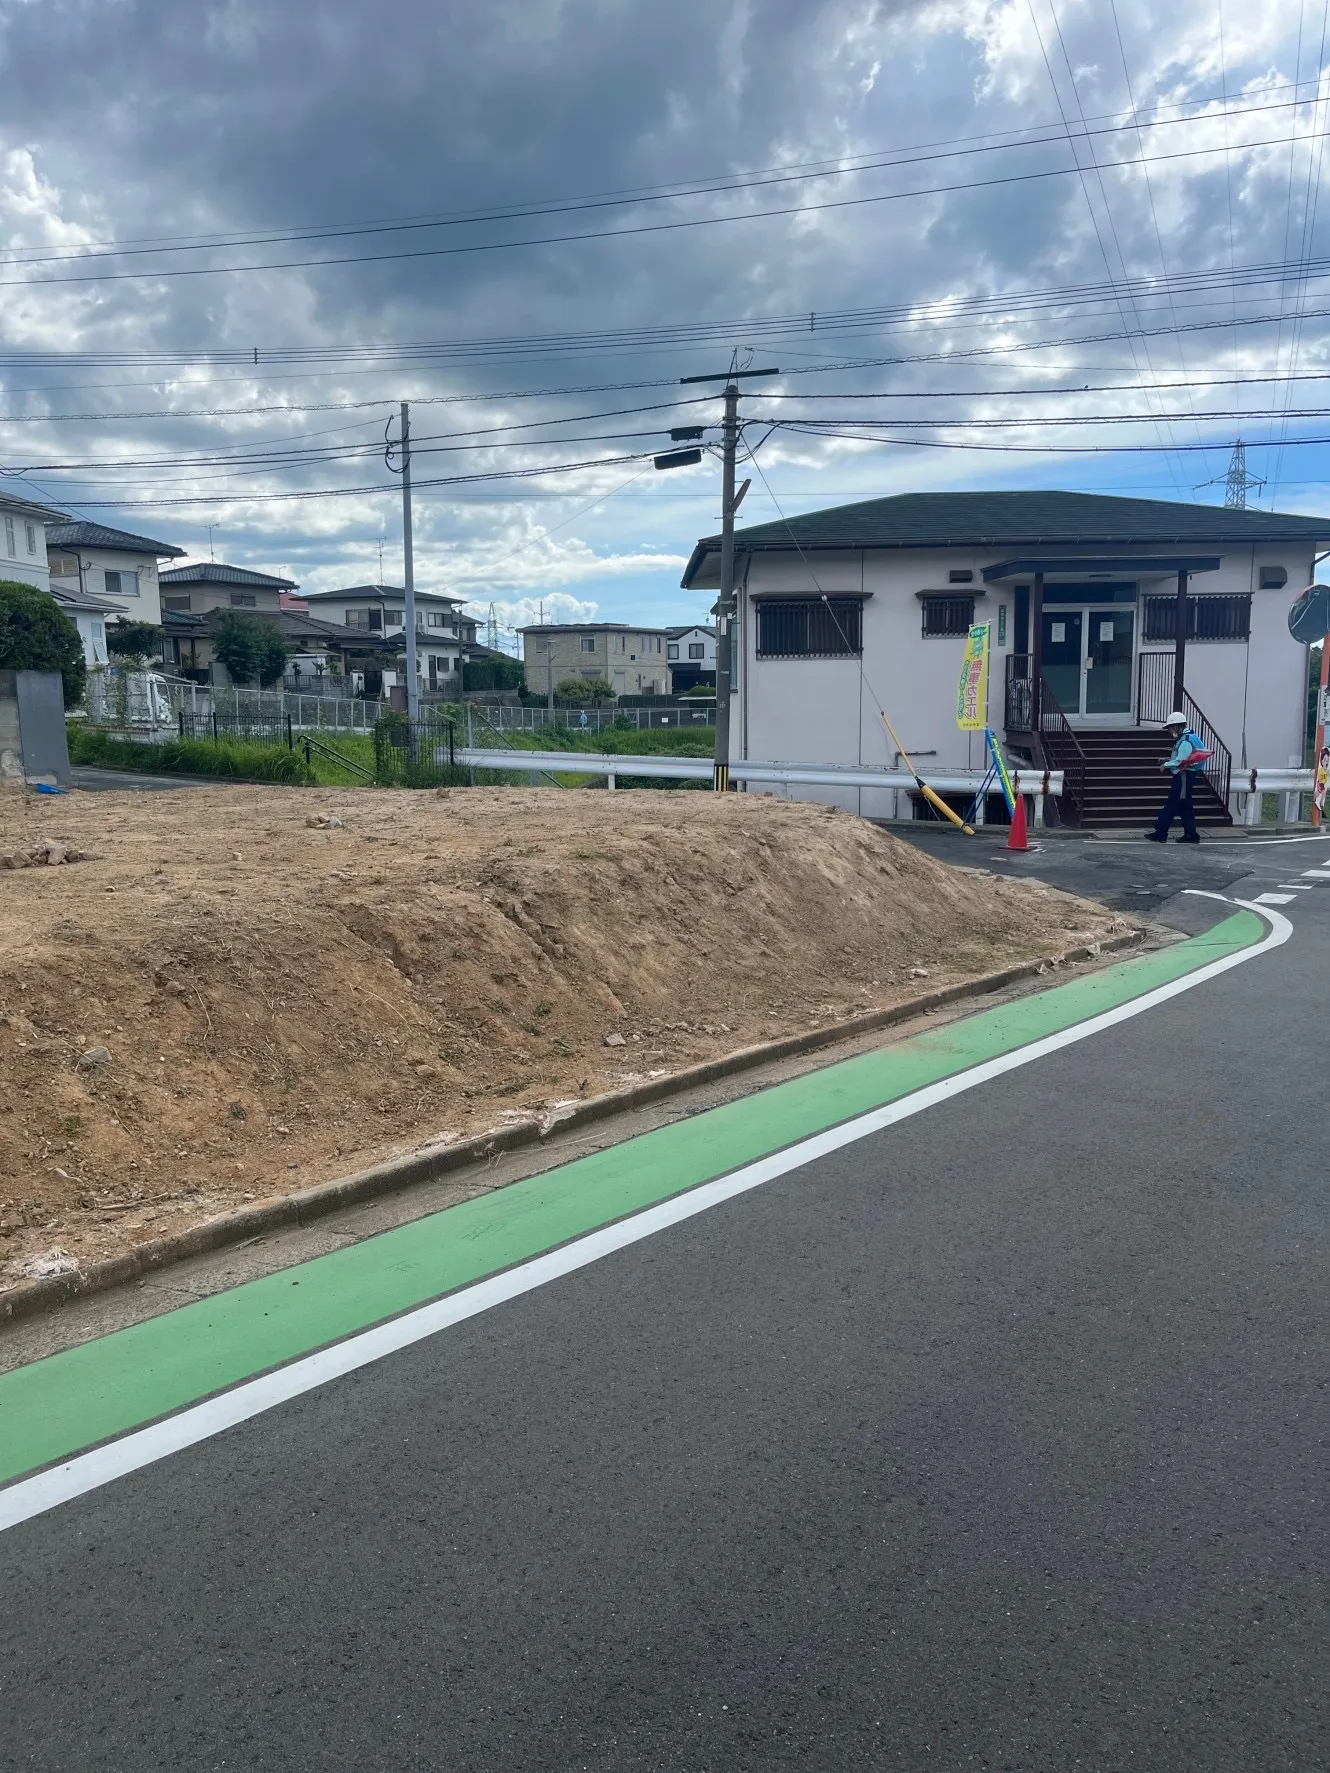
(1015, 519)
(99, 535)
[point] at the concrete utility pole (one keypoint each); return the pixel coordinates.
(726, 611)
(409, 571)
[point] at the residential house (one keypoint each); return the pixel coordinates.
(111, 564)
(631, 660)
(90, 615)
(445, 634)
(864, 608)
(691, 656)
(193, 597)
(23, 529)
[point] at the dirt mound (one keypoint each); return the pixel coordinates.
(278, 1002)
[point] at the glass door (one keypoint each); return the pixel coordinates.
(1064, 656)
(1110, 640)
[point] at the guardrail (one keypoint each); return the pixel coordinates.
(1248, 787)
(1039, 783)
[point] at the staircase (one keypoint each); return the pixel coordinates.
(1124, 785)
(1111, 776)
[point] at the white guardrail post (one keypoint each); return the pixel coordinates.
(1248, 788)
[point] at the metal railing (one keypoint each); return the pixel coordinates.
(509, 718)
(1031, 707)
(1154, 703)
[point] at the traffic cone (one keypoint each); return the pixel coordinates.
(1017, 840)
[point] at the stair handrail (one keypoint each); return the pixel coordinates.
(1218, 766)
(1154, 702)
(1065, 750)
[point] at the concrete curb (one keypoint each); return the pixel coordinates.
(432, 1161)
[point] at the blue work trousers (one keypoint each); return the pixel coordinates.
(1177, 805)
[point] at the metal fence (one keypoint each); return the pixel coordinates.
(312, 713)
(503, 718)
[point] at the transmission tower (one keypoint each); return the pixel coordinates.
(1237, 483)
(492, 630)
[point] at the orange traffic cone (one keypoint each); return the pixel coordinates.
(1017, 840)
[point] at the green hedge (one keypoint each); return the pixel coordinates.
(234, 759)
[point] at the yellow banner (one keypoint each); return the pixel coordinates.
(972, 693)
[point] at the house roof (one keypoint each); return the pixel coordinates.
(81, 604)
(29, 507)
(295, 624)
(75, 534)
(378, 594)
(1015, 519)
(216, 572)
(691, 628)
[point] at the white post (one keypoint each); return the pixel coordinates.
(609, 782)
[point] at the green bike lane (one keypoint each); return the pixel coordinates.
(101, 1390)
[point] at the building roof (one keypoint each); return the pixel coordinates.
(216, 572)
(98, 535)
(1015, 519)
(378, 594)
(691, 628)
(29, 507)
(81, 604)
(591, 628)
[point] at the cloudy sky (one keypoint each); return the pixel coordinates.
(233, 235)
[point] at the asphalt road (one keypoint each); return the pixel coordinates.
(99, 781)
(995, 1440)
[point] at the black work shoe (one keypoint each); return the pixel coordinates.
(1194, 838)
(1154, 837)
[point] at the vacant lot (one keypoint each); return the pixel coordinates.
(278, 1004)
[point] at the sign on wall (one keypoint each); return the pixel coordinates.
(972, 692)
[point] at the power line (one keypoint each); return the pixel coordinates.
(720, 184)
(623, 233)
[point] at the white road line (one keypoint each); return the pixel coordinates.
(1316, 873)
(1273, 899)
(199, 1422)
(1295, 886)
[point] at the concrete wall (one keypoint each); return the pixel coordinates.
(827, 710)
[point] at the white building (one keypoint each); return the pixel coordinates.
(23, 527)
(109, 564)
(90, 616)
(847, 612)
(691, 657)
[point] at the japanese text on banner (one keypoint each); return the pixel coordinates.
(972, 693)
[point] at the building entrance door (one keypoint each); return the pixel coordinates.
(1088, 656)
(1064, 657)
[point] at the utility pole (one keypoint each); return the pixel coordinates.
(409, 569)
(726, 611)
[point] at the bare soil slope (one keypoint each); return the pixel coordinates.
(278, 1003)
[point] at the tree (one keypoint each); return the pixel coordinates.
(582, 692)
(494, 673)
(134, 642)
(250, 647)
(37, 635)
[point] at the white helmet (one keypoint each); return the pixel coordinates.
(1176, 719)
